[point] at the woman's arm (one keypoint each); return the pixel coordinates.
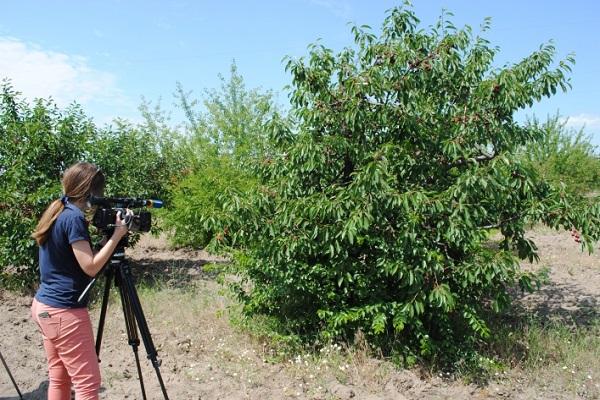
(92, 263)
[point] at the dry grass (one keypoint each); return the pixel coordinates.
(563, 358)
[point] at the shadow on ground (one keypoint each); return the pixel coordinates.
(563, 303)
(174, 273)
(38, 394)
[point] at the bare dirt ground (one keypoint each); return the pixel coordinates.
(204, 357)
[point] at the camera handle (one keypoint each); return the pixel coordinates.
(10, 375)
(118, 271)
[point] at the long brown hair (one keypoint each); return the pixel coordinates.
(78, 182)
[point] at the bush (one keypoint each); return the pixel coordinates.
(138, 161)
(225, 142)
(564, 156)
(38, 143)
(373, 215)
(197, 201)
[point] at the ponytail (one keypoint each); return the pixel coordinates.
(42, 230)
(78, 182)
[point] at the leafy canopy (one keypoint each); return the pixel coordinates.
(375, 212)
(564, 156)
(225, 139)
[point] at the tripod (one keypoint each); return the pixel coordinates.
(10, 375)
(118, 271)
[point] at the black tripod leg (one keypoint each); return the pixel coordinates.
(132, 334)
(127, 280)
(109, 274)
(10, 375)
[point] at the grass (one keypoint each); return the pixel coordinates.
(563, 357)
(548, 355)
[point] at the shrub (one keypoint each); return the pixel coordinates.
(374, 212)
(564, 156)
(38, 143)
(225, 141)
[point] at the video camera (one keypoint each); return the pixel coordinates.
(108, 207)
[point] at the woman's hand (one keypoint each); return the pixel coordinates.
(91, 263)
(121, 224)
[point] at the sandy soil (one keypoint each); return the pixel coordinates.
(204, 358)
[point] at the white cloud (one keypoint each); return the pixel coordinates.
(37, 72)
(578, 121)
(340, 8)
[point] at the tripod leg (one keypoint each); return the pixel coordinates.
(132, 334)
(127, 280)
(10, 375)
(109, 274)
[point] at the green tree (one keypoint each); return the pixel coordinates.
(564, 156)
(38, 143)
(141, 160)
(231, 122)
(375, 212)
(226, 138)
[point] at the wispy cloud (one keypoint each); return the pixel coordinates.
(37, 72)
(164, 25)
(339, 8)
(589, 121)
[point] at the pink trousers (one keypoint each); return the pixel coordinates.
(69, 345)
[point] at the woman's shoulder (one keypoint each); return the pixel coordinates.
(70, 213)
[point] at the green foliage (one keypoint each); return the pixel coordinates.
(138, 160)
(225, 141)
(39, 142)
(564, 156)
(196, 206)
(374, 210)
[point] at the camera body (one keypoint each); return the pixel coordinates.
(104, 218)
(108, 207)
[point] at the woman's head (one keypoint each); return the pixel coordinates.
(82, 180)
(79, 181)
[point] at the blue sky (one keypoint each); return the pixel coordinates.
(108, 54)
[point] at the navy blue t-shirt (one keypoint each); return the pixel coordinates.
(62, 278)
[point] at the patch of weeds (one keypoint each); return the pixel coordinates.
(277, 344)
(568, 356)
(552, 354)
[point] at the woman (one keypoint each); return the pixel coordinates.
(67, 264)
